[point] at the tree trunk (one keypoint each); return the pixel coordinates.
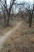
(4, 18)
(30, 21)
(8, 19)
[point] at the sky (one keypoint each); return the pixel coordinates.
(30, 1)
(20, 1)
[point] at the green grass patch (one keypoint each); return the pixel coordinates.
(25, 32)
(22, 33)
(33, 31)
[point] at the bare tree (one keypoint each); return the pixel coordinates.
(30, 12)
(5, 9)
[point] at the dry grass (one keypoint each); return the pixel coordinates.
(22, 40)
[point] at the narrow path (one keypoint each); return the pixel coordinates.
(6, 36)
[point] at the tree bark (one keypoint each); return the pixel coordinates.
(4, 18)
(30, 21)
(8, 19)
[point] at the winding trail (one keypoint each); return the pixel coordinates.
(7, 35)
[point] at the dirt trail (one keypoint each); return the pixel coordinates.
(19, 40)
(6, 36)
